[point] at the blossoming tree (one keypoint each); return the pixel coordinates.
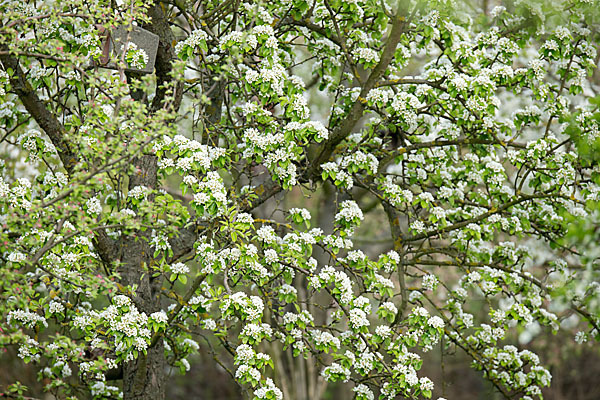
(142, 213)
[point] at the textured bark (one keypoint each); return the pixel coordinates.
(394, 220)
(160, 26)
(37, 109)
(144, 377)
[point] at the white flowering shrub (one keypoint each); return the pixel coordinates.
(221, 203)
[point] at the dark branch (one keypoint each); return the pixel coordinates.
(37, 109)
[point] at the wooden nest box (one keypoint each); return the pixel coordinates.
(139, 43)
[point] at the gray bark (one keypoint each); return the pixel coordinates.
(144, 377)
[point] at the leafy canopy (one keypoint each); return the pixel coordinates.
(221, 197)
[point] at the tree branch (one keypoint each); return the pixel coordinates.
(37, 109)
(160, 26)
(476, 219)
(356, 112)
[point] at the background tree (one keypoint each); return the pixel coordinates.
(142, 213)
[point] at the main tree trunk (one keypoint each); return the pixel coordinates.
(144, 377)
